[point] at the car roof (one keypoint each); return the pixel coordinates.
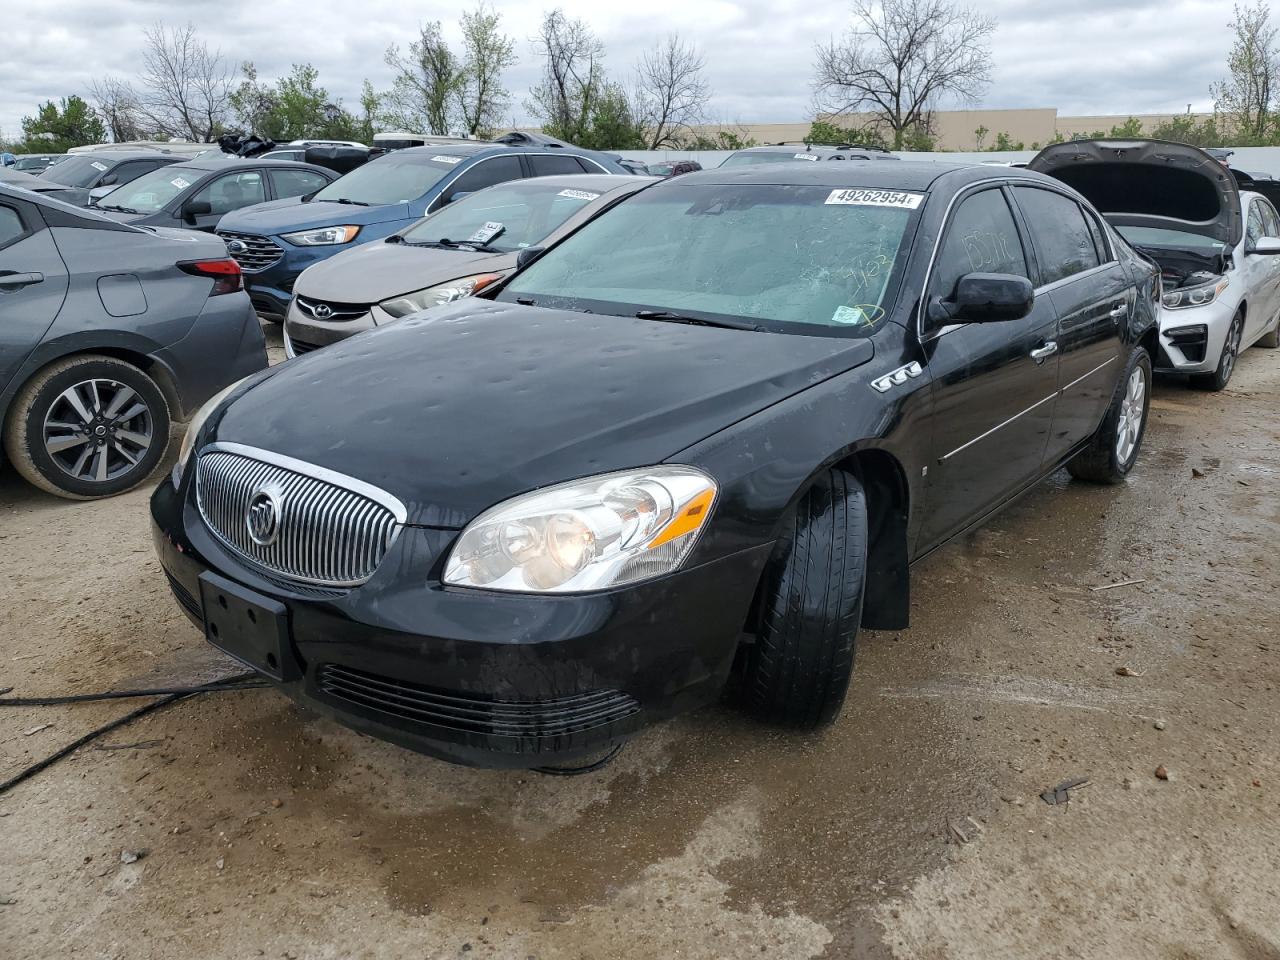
(118, 155)
(226, 159)
(823, 148)
(919, 175)
(601, 183)
(482, 147)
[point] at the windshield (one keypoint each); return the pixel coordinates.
(782, 256)
(151, 191)
(76, 171)
(522, 214)
(773, 156)
(390, 180)
(1174, 239)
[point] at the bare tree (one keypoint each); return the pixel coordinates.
(671, 92)
(426, 83)
(900, 57)
(1245, 96)
(186, 87)
(486, 53)
(117, 103)
(573, 77)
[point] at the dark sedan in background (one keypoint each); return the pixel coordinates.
(107, 332)
(82, 173)
(197, 194)
(517, 528)
(451, 254)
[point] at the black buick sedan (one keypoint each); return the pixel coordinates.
(514, 529)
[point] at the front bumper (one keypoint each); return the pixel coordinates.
(303, 333)
(271, 288)
(484, 679)
(1192, 338)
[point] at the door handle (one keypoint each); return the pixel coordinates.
(1119, 311)
(1040, 354)
(15, 281)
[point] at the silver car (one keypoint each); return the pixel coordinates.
(451, 254)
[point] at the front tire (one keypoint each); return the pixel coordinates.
(797, 672)
(1220, 377)
(87, 427)
(1113, 450)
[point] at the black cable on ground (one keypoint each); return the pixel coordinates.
(243, 681)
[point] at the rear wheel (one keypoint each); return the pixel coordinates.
(1271, 339)
(798, 669)
(1113, 450)
(1220, 377)
(87, 427)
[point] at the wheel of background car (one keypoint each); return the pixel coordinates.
(1113, 449)
(1220, 377)
(797, 671)
(87, 427)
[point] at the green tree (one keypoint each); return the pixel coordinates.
(980, 137)
(824, 131)
(1005, 142)
(57, 127)
(1131, 129)
(479, 94)
(427, 82)
(1246, 97)
(613, 124)
(1187, 129)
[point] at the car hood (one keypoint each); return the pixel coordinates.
(1150, 183)
(286, 216)
(376, 271)
(461, 407)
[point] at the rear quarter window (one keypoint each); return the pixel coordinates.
(1063, 241)
(11, 227)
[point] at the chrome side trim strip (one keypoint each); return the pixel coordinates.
(1086, 376)
(998, 426)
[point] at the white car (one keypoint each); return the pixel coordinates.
(1218, 247)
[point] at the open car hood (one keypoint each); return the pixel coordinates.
(1150, 183)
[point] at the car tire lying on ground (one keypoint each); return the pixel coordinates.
(797, 671)
(87, 427)
(1114, 448)
(1220, 377)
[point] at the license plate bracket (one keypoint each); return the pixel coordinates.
(248, 626)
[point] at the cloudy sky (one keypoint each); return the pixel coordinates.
(1083, 56)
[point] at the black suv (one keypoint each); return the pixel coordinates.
(520, 526)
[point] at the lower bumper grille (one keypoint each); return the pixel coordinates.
(505, 718)
(184, 597)
(301, 346)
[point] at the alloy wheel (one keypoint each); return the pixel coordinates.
(1132, 411)
(1232, 348)
(97, 430)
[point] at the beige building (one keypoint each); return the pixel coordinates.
(958, 129)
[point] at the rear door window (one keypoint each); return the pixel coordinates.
(981, 238)
(1254, 231)
(485, 174)
(233, 191)
(549, 166)
(11, 227)
(1063, 241)
(296, 183)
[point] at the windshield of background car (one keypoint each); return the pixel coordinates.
(390, 179)
(526, 212)
(1173, 239)
(788, 258)
(76, 171)
(778, 156)
(151, 191)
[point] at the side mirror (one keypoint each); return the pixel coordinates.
(990, 298)
(108, 180)
(528, 255)
(458, 196)
(1266, 246)
(196, 208)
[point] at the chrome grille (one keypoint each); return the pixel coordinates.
(259, 252)
(332, 530)
(327, 311)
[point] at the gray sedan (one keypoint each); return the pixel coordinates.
(453, 253)
(107, 333)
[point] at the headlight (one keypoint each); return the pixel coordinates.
(324, 237)
(586, 535)
(1194, 296)
(193, 429)
(441, 293)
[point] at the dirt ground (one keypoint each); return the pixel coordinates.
(912, 829)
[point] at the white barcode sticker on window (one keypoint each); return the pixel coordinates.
(862, 197)
(443, 159)
(806, 156)
(97, 165)
(180, 183)
(578, 194)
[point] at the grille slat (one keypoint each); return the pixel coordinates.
(259, 252)
(332, 530)
(336, 312)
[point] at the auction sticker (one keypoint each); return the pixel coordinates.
(806, 156)
(97, 165)
(180, 183)
(578, 194)
(451, 160)
(862, 197)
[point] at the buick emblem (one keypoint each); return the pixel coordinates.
(322, 311)
(236, 246)
(262, 516)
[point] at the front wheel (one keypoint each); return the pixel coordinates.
(798, 669)
(87, 427)
(1113, 450)
(1220, 377)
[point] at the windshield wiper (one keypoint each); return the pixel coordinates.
(116, 206)
(354, 203)
(671, 317)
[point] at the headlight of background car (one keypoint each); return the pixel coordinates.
(324, 237)
(441, 293)
(193, 429)
(586, 535)
(1194, 296)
